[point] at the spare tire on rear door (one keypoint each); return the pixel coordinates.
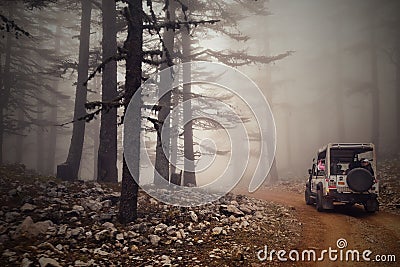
(360, 180)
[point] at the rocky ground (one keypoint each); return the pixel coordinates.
(389, 179)
(45, 222)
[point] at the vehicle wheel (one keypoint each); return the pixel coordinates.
(307, 196)
(319, 201)
(371, 206)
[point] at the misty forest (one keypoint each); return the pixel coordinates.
(329, 72)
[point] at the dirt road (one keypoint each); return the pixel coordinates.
(378, 232)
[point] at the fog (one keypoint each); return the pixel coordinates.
(329, 71)
(339, 83)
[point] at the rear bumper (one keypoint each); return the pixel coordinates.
(351, 197)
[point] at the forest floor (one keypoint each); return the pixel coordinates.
(45, 222)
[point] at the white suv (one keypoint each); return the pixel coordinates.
(343, 173)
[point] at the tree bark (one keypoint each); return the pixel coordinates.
(175, 134)
(1, 111)
(189, 176)
(5, 90)
(107, 154)
(163, 145)
(39, 135)
(272, 176)
(398, 102)
(51, 153)
(273, 173)
(70, 169)
(374, 89)
(134, 46)
(19, 144)
(338, 91)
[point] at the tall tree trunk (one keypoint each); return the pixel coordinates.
(272, 176)
(96, 136)
(39, 135)
(5, 91)
(175, 133)
(1, 110)
(19, 144)
(134, 46)
(189, 176)
(163, 144)
(398, 103)
(338, 91)
(288, 141)
(374, 89)
(51, 152)
(69, 170)
(107, 155)
(96, 144)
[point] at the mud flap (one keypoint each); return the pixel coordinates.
(327, 204)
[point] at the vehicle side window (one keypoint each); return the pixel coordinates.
(321, 167)
(314, 173)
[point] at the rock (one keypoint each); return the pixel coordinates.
(26, 262)
(119, 236)
(114, 198)
(106, 203)
(171, 230)
(28, 207)
(31, 229)
(100, 252)
(4, 238)
(92, 205)
(8, 253)
(47, 245)
(154, 239)
(79, 263)
(245, 209)
(231, 210)
(12, 192)
(244, 224)
(48, 262)
(77, 231)
(165, 260)
(102, 235)
(217, 230)
(193, 216)
(105, 217)
(109, 225)
(53, 193)
(11, 216)
(78, 208)
(160, 228)
(62, 229)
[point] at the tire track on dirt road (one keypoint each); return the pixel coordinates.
(378, 232)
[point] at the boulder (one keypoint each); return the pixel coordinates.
(48, 262)
(30, 229)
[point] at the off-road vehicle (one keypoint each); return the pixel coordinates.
(343, 173)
